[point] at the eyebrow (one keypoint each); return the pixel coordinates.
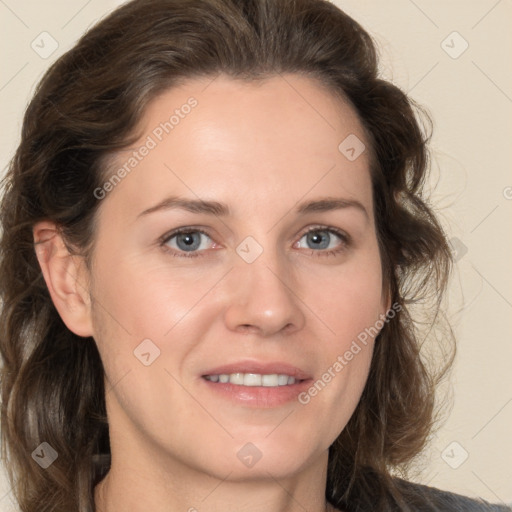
(222, 209)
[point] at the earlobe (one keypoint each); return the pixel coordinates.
(65, 277)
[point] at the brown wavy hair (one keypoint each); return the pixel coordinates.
(86, 107)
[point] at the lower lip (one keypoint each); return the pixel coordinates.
(258, 396)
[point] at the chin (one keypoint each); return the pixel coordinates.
(261, 458)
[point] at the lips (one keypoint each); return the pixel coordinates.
(226, 383)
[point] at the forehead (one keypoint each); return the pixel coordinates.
(282, 137)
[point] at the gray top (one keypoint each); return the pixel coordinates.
(416, 498)
(438, 500)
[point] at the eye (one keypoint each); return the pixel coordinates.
(185, 240)
(325, 240)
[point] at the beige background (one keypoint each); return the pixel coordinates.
(470, 97)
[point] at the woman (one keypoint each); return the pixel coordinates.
(213, 234)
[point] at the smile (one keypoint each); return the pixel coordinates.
(253, 379)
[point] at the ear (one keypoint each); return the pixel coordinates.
(66, 278)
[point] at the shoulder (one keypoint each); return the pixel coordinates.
(429, 499)
(376, 491)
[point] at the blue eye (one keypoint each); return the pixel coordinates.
(190, 242)
(323, 239)
(186, 240)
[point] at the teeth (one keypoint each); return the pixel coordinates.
(237, 378)
(271, 380)
(282, 380)
(253, 379)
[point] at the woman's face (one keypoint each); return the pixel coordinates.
(247, 170)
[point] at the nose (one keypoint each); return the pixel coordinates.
(263, 297)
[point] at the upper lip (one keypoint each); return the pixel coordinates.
(259, 367)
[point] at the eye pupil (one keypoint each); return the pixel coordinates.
(316, 238)
(191, 240)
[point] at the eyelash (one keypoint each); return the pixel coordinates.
(345, 241)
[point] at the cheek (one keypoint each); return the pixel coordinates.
(149, 300)
(147, 314)
(348, 300)
(349, 306)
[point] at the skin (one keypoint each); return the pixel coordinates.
(261, 148)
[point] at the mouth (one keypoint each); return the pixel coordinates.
(272, 380)
(255, 384)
